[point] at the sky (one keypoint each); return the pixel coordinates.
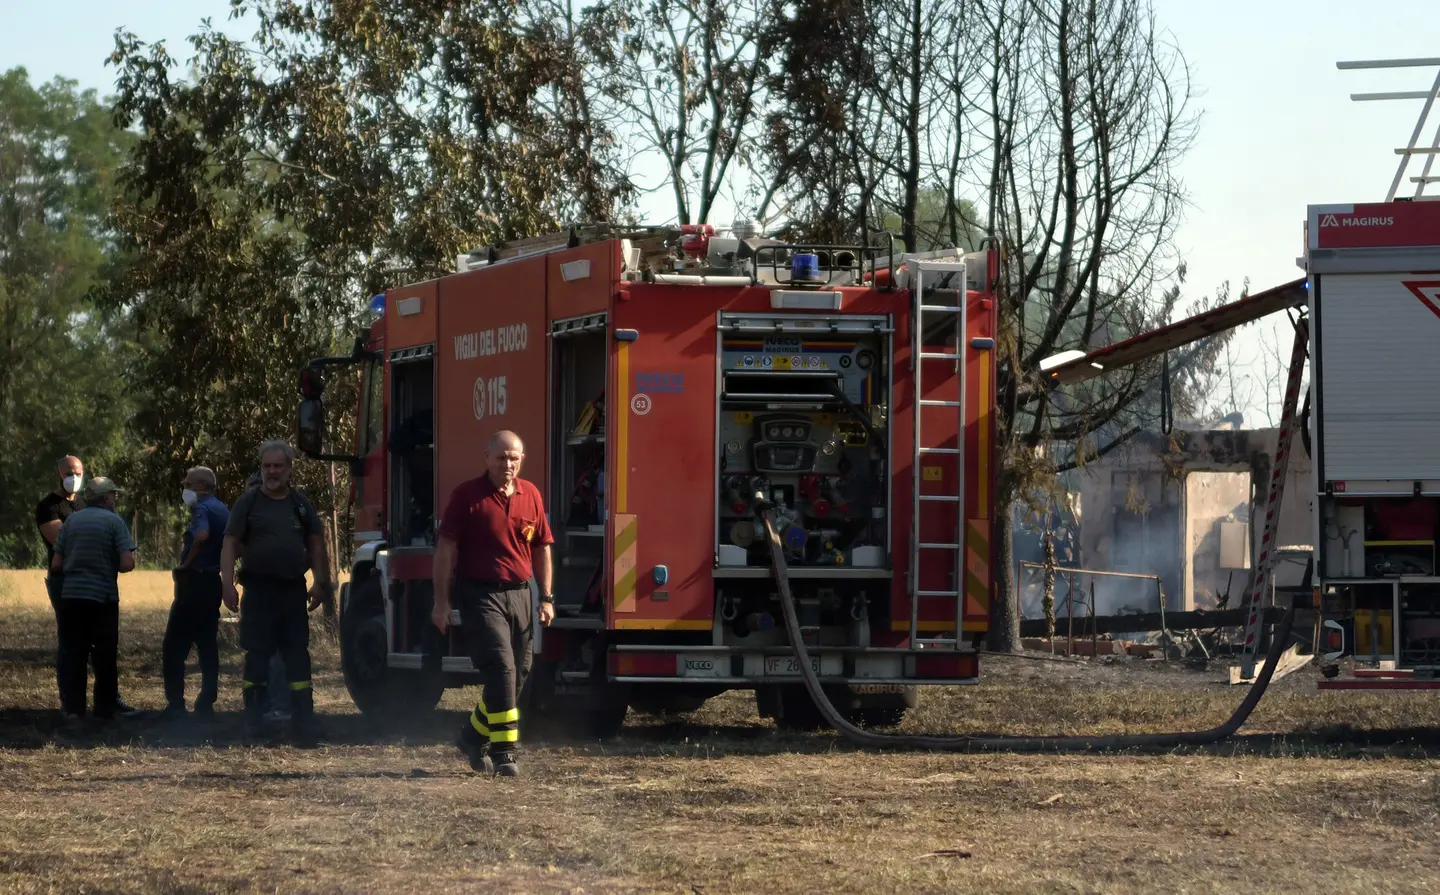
(1278, 129)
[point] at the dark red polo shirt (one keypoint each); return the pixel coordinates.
(496, 534)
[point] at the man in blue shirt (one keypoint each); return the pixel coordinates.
(93, 549)
(195, 613)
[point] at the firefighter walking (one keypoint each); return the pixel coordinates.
(493, 531)
(279, 533)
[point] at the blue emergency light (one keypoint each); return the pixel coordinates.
(377, 305)
(804, 268)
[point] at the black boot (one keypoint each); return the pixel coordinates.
(209, 692)
(476, 749)
(303, 729)
(505, 765)
(255, 710)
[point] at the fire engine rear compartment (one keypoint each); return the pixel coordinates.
(1377, 463)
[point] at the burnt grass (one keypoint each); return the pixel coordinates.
(1326, 792)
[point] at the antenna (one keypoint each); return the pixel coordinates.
(1412, 149)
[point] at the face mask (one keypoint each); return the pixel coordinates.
(72, 483)
(189, 497)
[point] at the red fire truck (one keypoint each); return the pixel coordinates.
(664, 380)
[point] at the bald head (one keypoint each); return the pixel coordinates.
(69, 475)
(505, 440)
(503, 458)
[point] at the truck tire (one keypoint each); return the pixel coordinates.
(798, 712)
(661, 699)
(380, 692)
(548, 710)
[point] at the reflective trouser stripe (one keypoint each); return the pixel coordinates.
(246, 685)
(501, 727)
(480, 726)
(299, 685)
(506, 717)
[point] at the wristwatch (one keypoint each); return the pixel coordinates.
(547, 598)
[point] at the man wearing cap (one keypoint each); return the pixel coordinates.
(94, 547)
(195, 612)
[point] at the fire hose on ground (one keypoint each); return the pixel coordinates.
(963, 743)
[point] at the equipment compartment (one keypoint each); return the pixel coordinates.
(412, 448)
(1420, 624)
(802, 420)
(579, 510)
(1379, 537)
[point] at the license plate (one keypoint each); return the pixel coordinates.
(783, 666)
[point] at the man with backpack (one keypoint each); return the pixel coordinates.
(280, 535)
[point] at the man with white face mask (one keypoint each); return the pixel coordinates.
(195, 613)
(50, 514)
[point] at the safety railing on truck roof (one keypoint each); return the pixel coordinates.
(820, 258)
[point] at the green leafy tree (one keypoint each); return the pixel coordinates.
(61, 389)
(344, 149)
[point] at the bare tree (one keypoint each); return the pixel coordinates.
(864, 119)
(1087, 116)
(684, 83)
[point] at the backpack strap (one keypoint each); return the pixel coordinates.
(295, 504)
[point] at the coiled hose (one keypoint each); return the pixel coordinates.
(863, 737)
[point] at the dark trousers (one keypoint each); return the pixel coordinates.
(497, 622)
(273, 617)
(53, 583)
(91, 633)
(194, 621)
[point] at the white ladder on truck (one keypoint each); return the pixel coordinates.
(1265, 560)
(928, 275)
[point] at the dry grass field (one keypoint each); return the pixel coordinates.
(1321, 793)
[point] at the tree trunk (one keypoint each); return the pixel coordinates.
(1004, 606)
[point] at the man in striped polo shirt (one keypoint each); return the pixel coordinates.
(93, 549)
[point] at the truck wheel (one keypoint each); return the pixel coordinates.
(380, 692)
(798, 712)
(591, 710)
(876, 708)
(878, 717)
(665, 700)
(604, 723)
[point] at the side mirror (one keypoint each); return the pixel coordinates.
(310, 429)
(312, 382)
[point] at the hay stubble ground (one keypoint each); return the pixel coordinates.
(719, 801)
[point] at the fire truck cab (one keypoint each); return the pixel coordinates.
(663, 380)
